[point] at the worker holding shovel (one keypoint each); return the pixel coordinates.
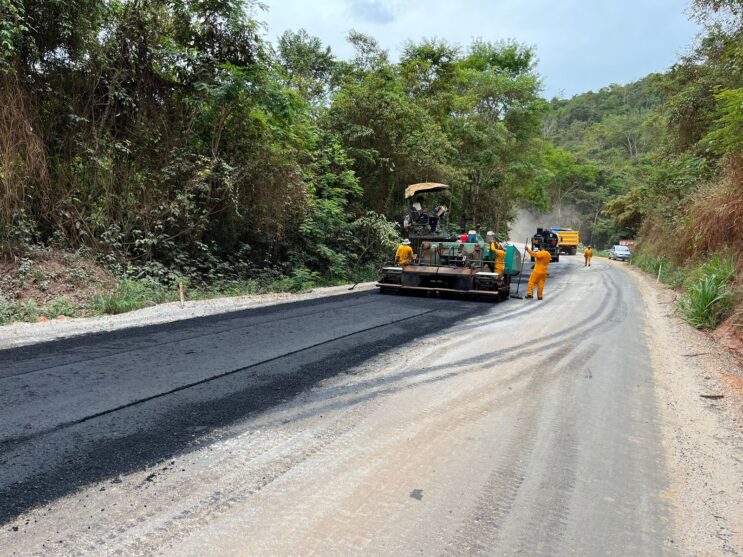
(539, 274)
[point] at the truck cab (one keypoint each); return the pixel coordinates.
(547, 240)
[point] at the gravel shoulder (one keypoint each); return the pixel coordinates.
(699, 386)
(22, 334)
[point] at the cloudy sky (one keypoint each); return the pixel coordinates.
(581, 44)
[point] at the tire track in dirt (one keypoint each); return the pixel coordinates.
(591, 325)
(480, 532)
(551, 502)
(422, 438)
(262, 470)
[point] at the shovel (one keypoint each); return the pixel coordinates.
(518, 284)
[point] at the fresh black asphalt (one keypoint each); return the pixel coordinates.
(94, 407)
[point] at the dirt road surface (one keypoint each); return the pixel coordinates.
(376, 424)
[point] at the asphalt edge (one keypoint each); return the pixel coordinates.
(19, 334)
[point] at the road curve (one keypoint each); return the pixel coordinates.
(365, 423)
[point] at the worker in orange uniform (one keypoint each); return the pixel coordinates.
(539, 274)
(500, 257)
(404, 254)
(587, 255)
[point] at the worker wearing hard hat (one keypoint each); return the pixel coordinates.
(404, 254)
(587, 255)
(540, 272)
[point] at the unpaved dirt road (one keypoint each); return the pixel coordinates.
(362, 424)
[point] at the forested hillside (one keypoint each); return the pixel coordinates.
(661, 161)
(650, 152)
(603, 145)
(169, 140)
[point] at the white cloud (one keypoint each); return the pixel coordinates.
(374, 11)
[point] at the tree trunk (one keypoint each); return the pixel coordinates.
(475, 192)
(593, 226)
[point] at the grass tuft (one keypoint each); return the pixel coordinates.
(130, 295)
(59, 306)
(709, 296)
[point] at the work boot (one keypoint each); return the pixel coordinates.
(529, 296)
(540, 299)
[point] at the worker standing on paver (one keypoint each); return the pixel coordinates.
(495, 254)
(587, 255)
(404, 254)
(539, 274)
(500, 256)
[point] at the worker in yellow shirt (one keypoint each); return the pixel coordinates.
(404, 254)
(500, 256)
(539, 274)
(587, 255)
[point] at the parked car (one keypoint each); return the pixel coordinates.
(620, 253)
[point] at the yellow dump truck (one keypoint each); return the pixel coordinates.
(568, 240)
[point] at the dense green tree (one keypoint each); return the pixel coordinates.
(310, 67)
(393, 140)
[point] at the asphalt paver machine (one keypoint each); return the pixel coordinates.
(444, 263)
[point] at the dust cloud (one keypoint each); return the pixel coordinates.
(527, 222)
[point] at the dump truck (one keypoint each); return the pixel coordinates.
(443, 262)
(545, 239)
(567, 240)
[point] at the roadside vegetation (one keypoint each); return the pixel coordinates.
(709, 298)
(708, 286)
(49, 284)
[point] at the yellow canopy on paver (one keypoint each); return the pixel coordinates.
(410, 191)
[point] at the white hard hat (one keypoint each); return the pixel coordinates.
(406, 242)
